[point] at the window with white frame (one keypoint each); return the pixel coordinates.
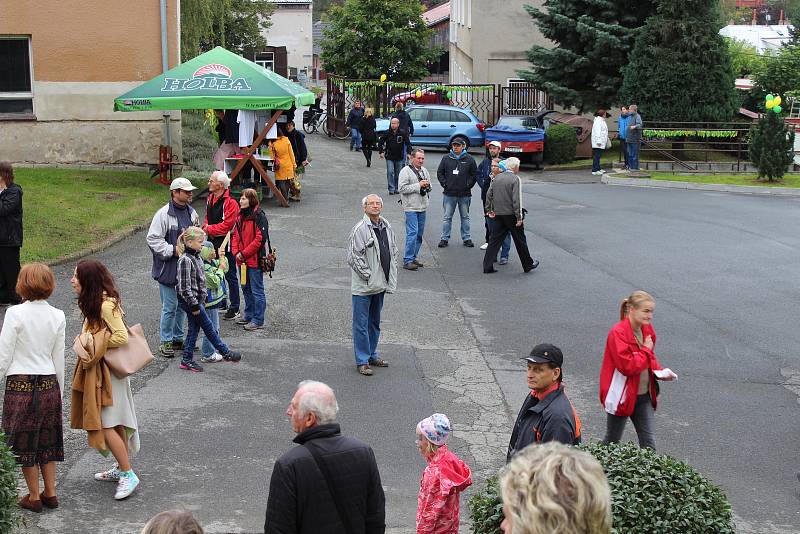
(266, 60)
(16, 81)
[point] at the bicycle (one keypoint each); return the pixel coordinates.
(316, 119)
(343, 134)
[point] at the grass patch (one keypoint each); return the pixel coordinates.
(68, 210)
(789, 180)
(610, 156)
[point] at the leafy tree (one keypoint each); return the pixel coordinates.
(744, 57)
(778, 73)
(368, 38)
(679, 68)
(593, 39)
(771, 146)
(234, 24)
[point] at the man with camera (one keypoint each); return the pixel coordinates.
(414, 187)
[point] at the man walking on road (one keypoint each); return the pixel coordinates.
(371, 254)
(354, 119)
(546, 414)
(415, 184)
(168, 223)
(330, 483)
(222, 211)
(504, 207)
(633, 137)
(457, 173)
(393, 145)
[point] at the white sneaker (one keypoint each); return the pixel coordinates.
(601, 171)
(597, 173)
(112, 475)
(127, 483)
(214, 358)
(484, 246)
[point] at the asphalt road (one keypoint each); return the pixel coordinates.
(721, 266)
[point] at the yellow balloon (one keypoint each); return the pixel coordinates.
(777, 100)
(383, 78)
(770, 104)
(418, 94)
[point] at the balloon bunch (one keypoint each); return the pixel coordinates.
(774, 103)
(383, 78)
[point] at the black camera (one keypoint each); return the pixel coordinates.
(424, 190)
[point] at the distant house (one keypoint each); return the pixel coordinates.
(318, 33)
(438, 18)
(61, 66)
(489, 41)
(762, 38)
(291, 28)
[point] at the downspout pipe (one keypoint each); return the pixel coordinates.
(165, 67)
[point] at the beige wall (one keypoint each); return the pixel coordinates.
(84, 54)
(292, 28)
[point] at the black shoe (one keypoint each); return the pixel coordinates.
(490, 272)
(534, 265)
(410, 266)
(369, 164)
(232, 357)
(442, 243)
(230, 313)
(469, 243)
(177, 345)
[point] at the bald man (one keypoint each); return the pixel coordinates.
(329, 483)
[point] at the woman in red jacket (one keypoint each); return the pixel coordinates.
(246, 244)
(630, 370)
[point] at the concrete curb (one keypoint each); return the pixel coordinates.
(666, 184)
(97, 248)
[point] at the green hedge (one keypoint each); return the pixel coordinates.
(560, 142)
(9, 516)
(650, 492)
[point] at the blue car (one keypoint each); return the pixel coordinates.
(437, 125)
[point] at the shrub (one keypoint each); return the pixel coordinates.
(650, 492)
(771, 146)
(9, 517)
(559, 144)
(199, 144)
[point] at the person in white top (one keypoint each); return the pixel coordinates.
(600, 140)
(32, 360)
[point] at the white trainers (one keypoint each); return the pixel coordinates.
(602, 171)
(597, 173)
(112, 475)
(484, 246)
(214, 358)
(127, 483)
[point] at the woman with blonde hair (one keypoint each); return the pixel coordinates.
(32, 360)
(555, 488)
(368, 136)
(628, 387)
(173, 522)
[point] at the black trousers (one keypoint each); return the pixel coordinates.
(502, 225)
(367, 149)
(9, 271)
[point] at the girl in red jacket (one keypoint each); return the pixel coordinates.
(442, 481)
(630, 370)
(246, 243)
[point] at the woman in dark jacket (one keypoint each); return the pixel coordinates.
(368, 137)
(10, 234)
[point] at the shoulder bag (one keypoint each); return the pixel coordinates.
(326, 474)
(125, 360)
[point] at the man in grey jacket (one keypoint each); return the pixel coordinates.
(414, 186)
(371, 254)
(633, 137)
(504, 207)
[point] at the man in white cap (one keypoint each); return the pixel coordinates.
(168, 223)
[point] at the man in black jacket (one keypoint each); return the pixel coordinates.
(330, 483)
(354, 119)
(457, 174)
(10, 234)
(394, 145)
(546, 414)
(405, 119)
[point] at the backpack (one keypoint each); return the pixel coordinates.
(267, 256)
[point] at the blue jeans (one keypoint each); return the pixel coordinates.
(393, 169)
(506, 249)
(633, 156)
(207, 349)
(172, 316)
(449, 204)
(366, 326)
(197, 322)
(232, 277)
(355, 141)
(415, 226)
(255, 300)
(596, 153)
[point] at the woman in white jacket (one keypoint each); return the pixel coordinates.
(600, 139)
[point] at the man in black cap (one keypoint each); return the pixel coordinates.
(547, 414)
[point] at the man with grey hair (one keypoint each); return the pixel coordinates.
(504, 207)
(371, 254)
(633, 137)
(415, 184)
(222, 211)
(328, 484)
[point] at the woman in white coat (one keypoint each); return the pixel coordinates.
(600, 140)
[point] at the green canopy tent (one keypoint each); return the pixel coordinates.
(223, 80)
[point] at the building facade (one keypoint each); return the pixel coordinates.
(489, 40)
(292, 27)
(61, 66)
(438, 19)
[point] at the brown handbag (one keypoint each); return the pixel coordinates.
(125, 360)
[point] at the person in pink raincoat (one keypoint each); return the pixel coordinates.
(443, 480)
